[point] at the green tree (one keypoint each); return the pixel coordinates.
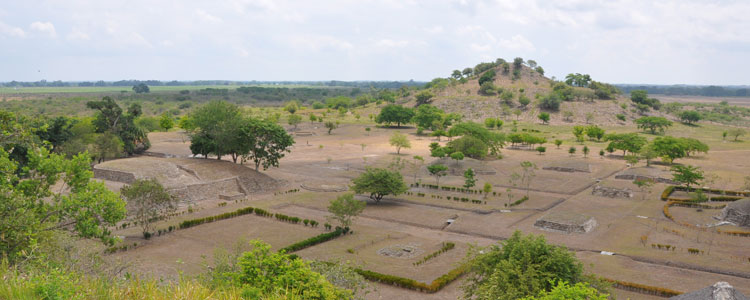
(558, 143)
(148, 201)
(379, 183)
(428, 116)
(653, 124)
(457, 156)
(262, 142)
(564, 291)
(523, 100)
(393, 113)
(266, 272)
(110, 117)
(469, 178)
(544, 116)
(292, 106)
(488, 76)
(518, 267)
(166, 121)
(669, 148)
(345, 208)
(30, 208)
(217, 126)
(693, 146)
(487, 189)
(690, 116)
(550, 102)
(627, 142)
(737, 133)
(438, 171)
(527, 174)
(141, 88)
(578, 132)
(330, 125)
(687, 175)
(468, 146)
(586, 151)
(572, 150)
(400, 140)
(107, 146)
(541, 150)
(424, 97)
(294, 120)
(594, 132)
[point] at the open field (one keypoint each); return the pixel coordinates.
(420, 222)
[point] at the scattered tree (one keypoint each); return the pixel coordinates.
(653, 124)
(690, 117)
(393, 113)
(737, 133)
(148, 201)
(400, 140)
(294, 120)
(487, 189)
(379, 183)
(687, 175)
(330, 125)
(541, 150)
(166, 121)
(572, 150)
(586, 151)
(558, 143)
(469, 178)
(141, 88)
(544, 116)
(438, 171)
(345, 208)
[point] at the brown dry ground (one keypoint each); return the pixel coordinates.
(409, 219)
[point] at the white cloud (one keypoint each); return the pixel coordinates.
(517, 42)
(44, 27)
(203, 15)
(8, 30)
(78, 35)
(388, 43)
(320, 42)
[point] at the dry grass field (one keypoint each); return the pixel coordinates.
(419, 223)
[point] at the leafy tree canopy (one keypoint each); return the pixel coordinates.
(379, 183)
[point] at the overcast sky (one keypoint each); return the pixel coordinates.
(662, 42)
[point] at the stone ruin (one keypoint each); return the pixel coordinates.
(568, 167)
(737, 212)
(400, 251)
(611, 192)
(646, 173)
(718, 291)
(566, 222)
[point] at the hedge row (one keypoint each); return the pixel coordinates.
(445, 248)
(315, 240)
(228, 215)
(448, 188)
(642, 288)
(519, 201)
(408, 283)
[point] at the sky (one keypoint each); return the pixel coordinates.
(656, 42)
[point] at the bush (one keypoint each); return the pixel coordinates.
(315, 240)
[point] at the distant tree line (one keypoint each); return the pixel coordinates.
(687, 90)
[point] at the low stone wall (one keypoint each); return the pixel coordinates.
(566, 228)
(611, 192)
(212, 190)
(565, 169)
(113, 175)
(632, 177)
(232, 197)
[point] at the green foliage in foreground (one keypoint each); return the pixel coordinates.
(30, 210)
(520, 266)
(256, 274)
(564, 291)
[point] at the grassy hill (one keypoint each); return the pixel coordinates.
(463, 95)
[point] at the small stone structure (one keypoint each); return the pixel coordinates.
(645, 173)
(400, 251)
(568, 167)
(611, 192)
(566, 222)
(718, 291)
(737, 212)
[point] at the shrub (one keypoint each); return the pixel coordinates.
(315, 240)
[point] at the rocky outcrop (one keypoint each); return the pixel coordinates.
(718, 291)
(737, 212)
(566, 223)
